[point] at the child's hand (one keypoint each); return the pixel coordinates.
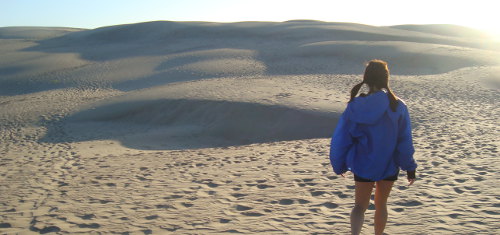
(411, 177)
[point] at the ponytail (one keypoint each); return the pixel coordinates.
(355, 90)
(393, 99)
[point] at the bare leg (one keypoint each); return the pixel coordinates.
(362, 200)
(382, 192)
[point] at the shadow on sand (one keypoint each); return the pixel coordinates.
(187, 124)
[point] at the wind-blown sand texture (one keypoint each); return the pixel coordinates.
(211, 128)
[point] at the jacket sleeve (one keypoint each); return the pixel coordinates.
(404, 148)
(340, 144)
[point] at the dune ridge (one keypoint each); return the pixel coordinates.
(177, 51)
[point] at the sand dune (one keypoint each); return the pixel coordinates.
(408, 57)
(154, 53)
(445, 30)
(34, 33)
(216, 128)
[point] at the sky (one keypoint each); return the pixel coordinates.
(479, 14)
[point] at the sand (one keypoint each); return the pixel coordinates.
(212, 128)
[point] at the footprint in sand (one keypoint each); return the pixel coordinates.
(238, 195)
(398, 209)
(303, 201)
(330, 205)
(308, 182)
(409, 203)
(317, 193)
(92, 225)
(265, 186)
(152, 217)
(5, 225)
(479, 178)
(87, 216)
(173, 196)
(243, 208)
(49, 229)
(163, 206)
(285, 202)
(460, 180)
(458, 190)
(454, 215)
(253, 214)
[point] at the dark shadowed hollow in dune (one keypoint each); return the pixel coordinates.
(180, 124)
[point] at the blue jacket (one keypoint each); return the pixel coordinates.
(371, 140)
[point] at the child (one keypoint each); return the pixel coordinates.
(373, 140)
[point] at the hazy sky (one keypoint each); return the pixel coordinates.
(481, 14)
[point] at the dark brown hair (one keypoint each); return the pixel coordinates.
(377, 75)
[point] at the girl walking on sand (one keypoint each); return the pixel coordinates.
(373, 141)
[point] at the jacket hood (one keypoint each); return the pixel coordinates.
(368, 109)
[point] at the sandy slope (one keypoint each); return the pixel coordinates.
(195, 127)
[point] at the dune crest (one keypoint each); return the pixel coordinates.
(161, 52)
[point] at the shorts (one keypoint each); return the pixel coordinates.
(390, 178)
